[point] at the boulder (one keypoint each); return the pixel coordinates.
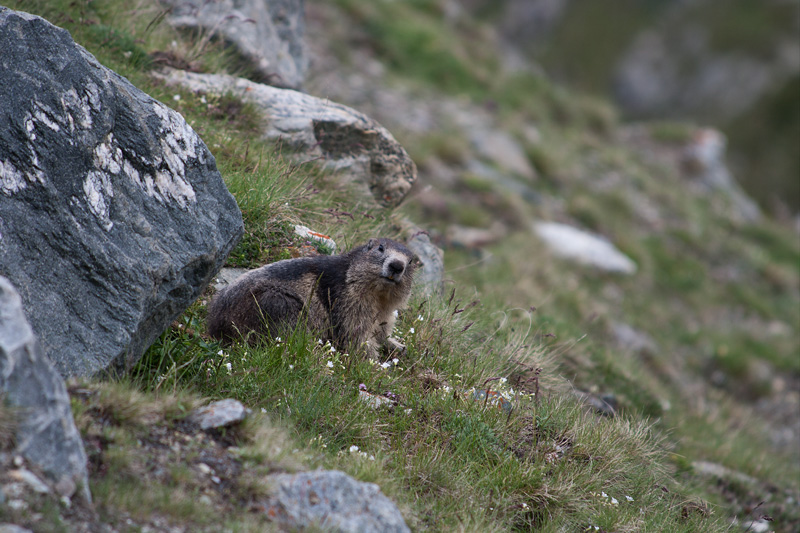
(45, 433)
(332, 501)
(268, 34)
(430, 278)
(583, 247)
(341, 137)
(113, 216)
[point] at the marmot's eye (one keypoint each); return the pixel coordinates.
(380, 248)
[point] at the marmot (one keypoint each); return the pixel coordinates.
(350, 298)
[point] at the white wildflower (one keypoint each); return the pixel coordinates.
(229, 367)
(629, 498)
(385, 365)
(278, 339)
(291, 367)
(353, 448)
(395, 361)
(614, 501)
(330, 364)
(177, 97)
(420, 318)
(263, 410)
(604, 495)
(411, 330)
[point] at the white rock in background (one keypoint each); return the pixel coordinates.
(503, 150)
(583, 247)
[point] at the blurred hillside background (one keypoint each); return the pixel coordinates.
(732, 64)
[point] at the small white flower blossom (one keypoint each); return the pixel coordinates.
(278, 339)
(629, 498)
(614, 501)
(411, 330)
(263, 410)
(385, 365)
(229, 367)
(330, 364)
(220, 353)
(420, 318)
(177, 97)
(291, 367)
(353, 448)
(395, 361)
(604, 495)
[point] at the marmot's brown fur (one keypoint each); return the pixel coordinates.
(350, 298)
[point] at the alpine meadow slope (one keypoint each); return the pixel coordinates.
(535, 393)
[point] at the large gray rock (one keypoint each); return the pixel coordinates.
(343, 138)
(113, 216)
(333, 501)
(267, 33)
(45, 434)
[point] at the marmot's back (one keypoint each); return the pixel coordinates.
(351, 298)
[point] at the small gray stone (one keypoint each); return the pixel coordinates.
(332, 500)
(30, 479)
(219, 414)
(502, 150)
(226, 276)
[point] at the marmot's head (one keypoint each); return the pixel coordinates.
(389, 261)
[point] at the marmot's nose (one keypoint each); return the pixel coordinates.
(396, 268)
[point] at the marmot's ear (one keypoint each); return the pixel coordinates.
(370, 244)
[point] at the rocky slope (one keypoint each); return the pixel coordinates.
(641, 304)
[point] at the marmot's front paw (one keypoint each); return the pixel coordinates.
(395, 347)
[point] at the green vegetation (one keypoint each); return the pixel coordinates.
(713, 295)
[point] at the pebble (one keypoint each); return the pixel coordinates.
(219, 414)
